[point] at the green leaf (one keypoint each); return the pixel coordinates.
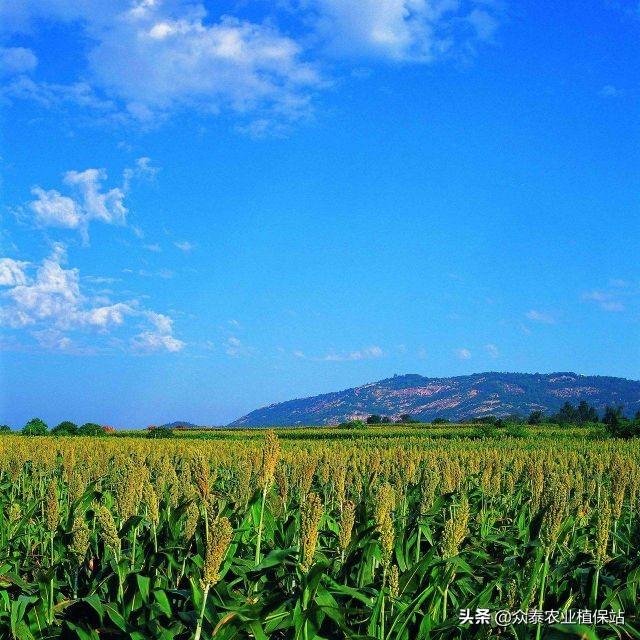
(162, 601)
(94, 602)
(18, 608)
(143, 586)
(115, 617)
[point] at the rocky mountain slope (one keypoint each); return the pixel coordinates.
(459, 398)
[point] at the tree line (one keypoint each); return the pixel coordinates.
(615, 423)
(38, 427)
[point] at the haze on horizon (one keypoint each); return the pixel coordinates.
(211, 207)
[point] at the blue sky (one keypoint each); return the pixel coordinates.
(211, 207)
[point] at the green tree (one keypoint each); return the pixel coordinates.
(65, 428)
(374, 419)
(5, 428)
(535, 417)
(352, 424)
(160, 432)
(35, 427)
(585, 413)
(613, 416)
(567, 414)
(617, 426)
(485, 420)
(91, 429)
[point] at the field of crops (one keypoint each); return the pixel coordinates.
(382, 534)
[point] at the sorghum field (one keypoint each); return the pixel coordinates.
(386, 533)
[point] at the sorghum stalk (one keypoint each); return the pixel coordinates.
(220, 534)
(455, 531)
(346, 526)
(52, 518)
(79, 545)
(270, 455)
(310, 517)
(603, 525)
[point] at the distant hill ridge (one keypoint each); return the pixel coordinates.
(458, 398)
(180, 425)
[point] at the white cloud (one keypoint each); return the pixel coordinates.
(360, 354)
(14, 60)
(402, 30)
(51, 94)
(162, 323)
(151, 59)
(160, 338)
(107, 207)
(234, 347)
(183, 60)
(87, 201)
(164, 273)
(484, 23)
(148, 59)
(143, 169)
(53, 340)
(462, 354)
(106, 316)
(52, 209)
(52, 296)
(610, 91)
(540, 316)
(606, 300)
(12, 272)
(149, 341)
(184, 245)
(51, 304)
(492, 350)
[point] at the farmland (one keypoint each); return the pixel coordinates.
(386, 532)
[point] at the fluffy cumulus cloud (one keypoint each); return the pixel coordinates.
(186, 61)
(153, 58)
(148, 58)
(48, 301)
(86, 200)
(160, 337)
(12, 272)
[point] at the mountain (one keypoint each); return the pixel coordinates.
(458, 399)
(180, 425)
